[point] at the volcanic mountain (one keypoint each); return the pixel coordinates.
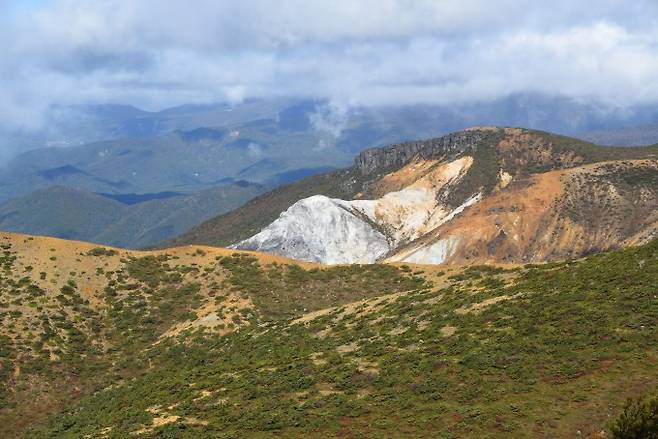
(484, 194)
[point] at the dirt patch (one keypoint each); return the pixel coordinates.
(317, 360)
(367, 367)
(326, 389)
(220, 317)
(322, 333)
(99, 434)
(448, 330)
(347, 348)
(399, 330)
(203, 394)
(163, 418)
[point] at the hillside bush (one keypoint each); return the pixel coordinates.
(639, 420)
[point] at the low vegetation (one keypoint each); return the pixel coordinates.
(361, 351)
(284, 291)
(639, 420)
(66, 334)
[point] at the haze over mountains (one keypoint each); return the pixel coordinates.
(84, 124)
(266, 143)
(74, 214)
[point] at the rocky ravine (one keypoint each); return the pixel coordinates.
(457, 200)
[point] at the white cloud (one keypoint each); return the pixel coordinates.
(156, 53)
(331, 118)
(255, 151)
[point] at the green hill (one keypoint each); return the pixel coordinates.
(60, 211)
(74, 214)
(201, 342)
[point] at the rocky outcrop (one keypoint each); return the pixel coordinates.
(321, 229)
(395, 156)
(559, 214)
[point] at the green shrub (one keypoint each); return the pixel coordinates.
(639, 420)
(101, 251)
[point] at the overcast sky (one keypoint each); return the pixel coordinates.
(159, 53)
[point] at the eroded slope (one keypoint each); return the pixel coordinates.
(484, 194)
(331, 230)
(549, 216)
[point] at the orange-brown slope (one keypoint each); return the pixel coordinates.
(557, 214)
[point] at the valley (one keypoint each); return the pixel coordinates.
(63, 212)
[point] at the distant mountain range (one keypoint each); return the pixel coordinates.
(183, 162)
(120, 149)
(77, 125)
(120, 221)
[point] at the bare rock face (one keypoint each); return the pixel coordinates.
(394, 156)
(329, 230)
(553, 215)
(320, 229)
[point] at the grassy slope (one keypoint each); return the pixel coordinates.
(61, 211)
(536, 351)
(75, 318)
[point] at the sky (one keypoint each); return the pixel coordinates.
(160, 53)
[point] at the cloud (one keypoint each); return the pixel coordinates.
(330, 118)
(156, 53)
(255, 151)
